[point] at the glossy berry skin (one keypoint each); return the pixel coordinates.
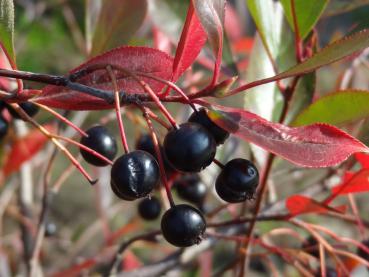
(4, 126)
(239, 175)
(228, 195)
(30, 109)
(149, 208)
(135, 174)
(119, 194)
(190, 148)
(102, 141)
(201, 117)
(190, 188)
(183, 225)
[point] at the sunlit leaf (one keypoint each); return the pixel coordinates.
(317, 145)
(336, 108)
(192, 40)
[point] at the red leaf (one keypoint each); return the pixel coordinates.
(317, 145)
(298, 204)
(359, 182)
(24, 149)
(211, 14)
(192, 40)
(76, 269)
(137, 59)
(363, 159)
(130, 261)
(6, 84)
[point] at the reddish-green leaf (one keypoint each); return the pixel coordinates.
(318, 145)
(7, 26)
(118, 21)
(299, 204)
(24, 149)
(336, 51)
(135, 59)
(192, 40)
(211, 14)
(336, 108)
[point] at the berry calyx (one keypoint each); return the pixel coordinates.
(190, 148)
(183, 225)
(190, 188)
(149, 208)
(240, 175)
(201, 117)
(102, 141)
(134, 175)
(4, 126)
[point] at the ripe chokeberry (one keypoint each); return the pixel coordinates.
(240, 175)
(311, 246)
(228, 195)
(134, 175)
(149, 208)
(100, 140)
(190, 188)
(183, 225)
(201, 117)
(30, 109)
(363, 254)
(4, 126)
(190, 148)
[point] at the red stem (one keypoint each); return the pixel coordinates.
(298, 42)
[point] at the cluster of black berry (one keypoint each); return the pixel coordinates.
(186, 150)
(28, 107)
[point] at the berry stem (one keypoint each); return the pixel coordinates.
(62, 118)
(61, 147)
(158, 155)
(117, 109)
(298, 42)
(218, 163)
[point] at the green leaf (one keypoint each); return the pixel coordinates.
(307, 13)
(302, 97)
(7, 26)
(164, 11)
(337, 108)
(343, 6)
(267, 17)
(118, 21)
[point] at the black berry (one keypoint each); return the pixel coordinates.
(145, 143)
(135, 174)
(311, 246)
(50, 229)
(240, 175)
(190, 188)
(228, 195)
(329, 272)
(363, 254)
(4, 126)
(30, 109)
(183, 225)
(100, 140)
(190, 148)
(149, 208)
(119, 194)
(201, 117)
